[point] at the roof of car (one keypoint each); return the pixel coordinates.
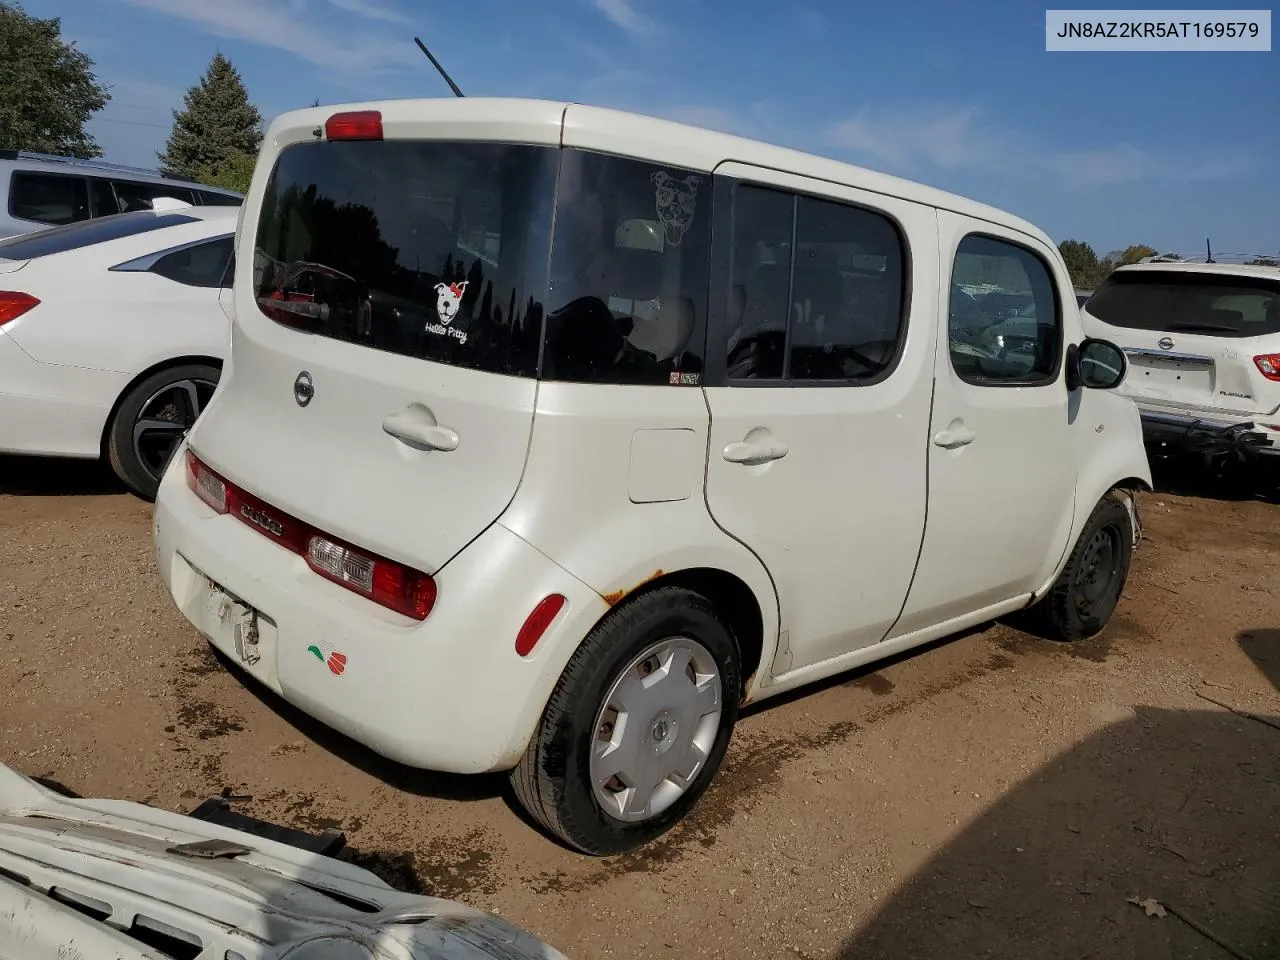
(1184, 266)
(627, 134)
(54, 164)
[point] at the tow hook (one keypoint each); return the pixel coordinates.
(246, 636)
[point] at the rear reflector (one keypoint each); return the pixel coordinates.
(537, 622)
(356, 125)
(1268, 365)
(14, 304)
(385, 582)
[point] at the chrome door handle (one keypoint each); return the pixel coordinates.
(415, 433)
(761, 452)
(951, 439)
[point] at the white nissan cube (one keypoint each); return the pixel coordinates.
(552, 435)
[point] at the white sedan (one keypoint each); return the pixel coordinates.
(112, 335)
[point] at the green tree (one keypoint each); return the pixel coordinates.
(1082, 262)
(233, 173)
(1136, 252)
(217, 129)
(48, 90)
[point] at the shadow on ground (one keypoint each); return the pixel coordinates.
(1186, 477)
(1177, 806)
(54, 477)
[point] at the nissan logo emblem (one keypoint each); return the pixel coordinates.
(1166, 343)
(304, 388)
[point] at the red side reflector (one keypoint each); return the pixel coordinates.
(14, 304)
(537, 622)
(356, 125)
(1268, 364)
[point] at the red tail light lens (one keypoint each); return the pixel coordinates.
(537, 622)
(385, 582)
(355, 125)
(1268, 365)
(14, 304)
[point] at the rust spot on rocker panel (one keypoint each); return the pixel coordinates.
(615, 597)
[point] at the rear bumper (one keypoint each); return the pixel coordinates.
(1246, 441)
(448, 693)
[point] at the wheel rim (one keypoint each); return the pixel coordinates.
(1099, 572)
(161, 422)
(656, 728)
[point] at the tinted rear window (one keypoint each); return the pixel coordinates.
(76, 235)
(48, 197)
(427, 249)
(1172, 302)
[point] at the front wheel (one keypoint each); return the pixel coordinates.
(636, 727)
(1089, 587)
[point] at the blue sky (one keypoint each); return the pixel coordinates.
(1111, 148)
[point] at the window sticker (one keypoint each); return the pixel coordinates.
(674, 200)
(448, 303)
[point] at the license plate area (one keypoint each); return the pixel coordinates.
(1170, 378)
(238, 630)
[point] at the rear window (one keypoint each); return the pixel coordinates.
(1172, 302)
(76, 235)
(48, 198)
(422, 248)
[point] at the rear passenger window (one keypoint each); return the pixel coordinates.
(202, 265)
(1004, 320)
(138, 196)
(48, 198)
(817, 290)
(103, 197)
(211, 199)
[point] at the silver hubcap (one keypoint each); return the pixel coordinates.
(656, 729)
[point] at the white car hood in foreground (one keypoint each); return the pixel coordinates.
(221, 895)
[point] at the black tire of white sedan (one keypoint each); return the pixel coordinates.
(1089, 587)
(151, 421)
(637, 725)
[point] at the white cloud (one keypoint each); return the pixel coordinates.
(286, 26)
(907, 138)
(373, 11)
(624, 15)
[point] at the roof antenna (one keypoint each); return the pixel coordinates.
(1208, 251)
(436, 63)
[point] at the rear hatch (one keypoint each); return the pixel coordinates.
(385, 344)
(1195, 339)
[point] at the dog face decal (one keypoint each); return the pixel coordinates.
(674, 200)
(448, 300)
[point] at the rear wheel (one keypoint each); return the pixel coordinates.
(636, 727)
(1089, 587)
(151, 421)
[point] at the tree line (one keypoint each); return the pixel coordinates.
(49, 92)
(1088, 270)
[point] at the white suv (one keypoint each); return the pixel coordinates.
(1203, 341)
(552, 435)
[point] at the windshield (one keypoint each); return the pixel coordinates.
(445, 252)
(1210, 303)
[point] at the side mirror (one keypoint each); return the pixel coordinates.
(1097, 364)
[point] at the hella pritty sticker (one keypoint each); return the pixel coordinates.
(324, 652)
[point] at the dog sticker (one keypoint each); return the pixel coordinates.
(674, 200)
(448, 303)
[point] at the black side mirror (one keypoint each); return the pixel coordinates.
(1097, 364)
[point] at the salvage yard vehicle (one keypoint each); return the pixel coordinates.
(1203, 342)
(112, 335)
(553, 435)
(113, 880)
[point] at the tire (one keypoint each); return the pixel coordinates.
(1085, 594)
(554, 779)
(151, 420)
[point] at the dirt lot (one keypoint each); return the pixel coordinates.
(994, 796)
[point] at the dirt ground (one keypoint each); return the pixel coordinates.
(991, 796)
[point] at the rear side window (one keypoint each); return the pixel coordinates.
(84, 234)
(199, 265)
(48, 198)
(211, 199)
(422, 248)
(1184, 302)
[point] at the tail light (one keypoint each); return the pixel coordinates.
(1268, 365)
(14, 304)
(355, 125)
(385, 582)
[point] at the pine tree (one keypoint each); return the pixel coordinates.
(217, 130)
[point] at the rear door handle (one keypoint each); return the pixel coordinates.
(951, 439)
(760, 452)
(424, 436)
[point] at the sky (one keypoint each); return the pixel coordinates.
(1110, 148)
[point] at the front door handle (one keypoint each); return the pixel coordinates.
(951, 439)
(762, 451)
(424, 436)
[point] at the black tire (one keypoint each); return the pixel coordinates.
(174, 395)
(553, 779)
(1086, 592)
